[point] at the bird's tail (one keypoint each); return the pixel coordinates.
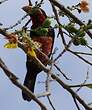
(29, 83)
(30, 78)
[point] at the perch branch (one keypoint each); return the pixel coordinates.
(15, 81)
(65, 86)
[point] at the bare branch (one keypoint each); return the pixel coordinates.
(83, 53)
(48, 97)
(17, 23)
(65, 86)
(15, 81)
(61, 72)
(57, 19)
(30, 3)
(64, 50)
(81, 85)
(76, 103)
(84, 82)
(83, 59)
(44, 94)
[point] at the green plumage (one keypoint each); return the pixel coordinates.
(43, 30)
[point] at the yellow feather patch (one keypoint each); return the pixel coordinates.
(31, 52)
(11, 45)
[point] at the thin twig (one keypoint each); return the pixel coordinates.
(44, 94)
(89, 47)
(66, 87)
(61, 72)
(27, 23)
(57, 19)
(84, 82)
(83, 59)
(40, 3)
(30, 3)
(75, 101)
(80, 85)
(68, 13)
(17, 23)
(14, 80)
(84, 53)
(60, 55)
(48, 97)
(64, 50)
(48, 85)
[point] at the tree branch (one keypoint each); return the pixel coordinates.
(68, 13)
(65, 86)
(30, 3)
(83, 59)
(15, 81)
(37, 61)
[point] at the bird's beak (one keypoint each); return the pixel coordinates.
(27, 9)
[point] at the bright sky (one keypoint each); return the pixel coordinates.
(10, 96)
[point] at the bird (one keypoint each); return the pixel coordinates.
(41, 32)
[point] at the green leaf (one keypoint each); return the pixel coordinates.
(83, 42)
(81, 33)
(76, 41)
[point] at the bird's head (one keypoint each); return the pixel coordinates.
(37, 15)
